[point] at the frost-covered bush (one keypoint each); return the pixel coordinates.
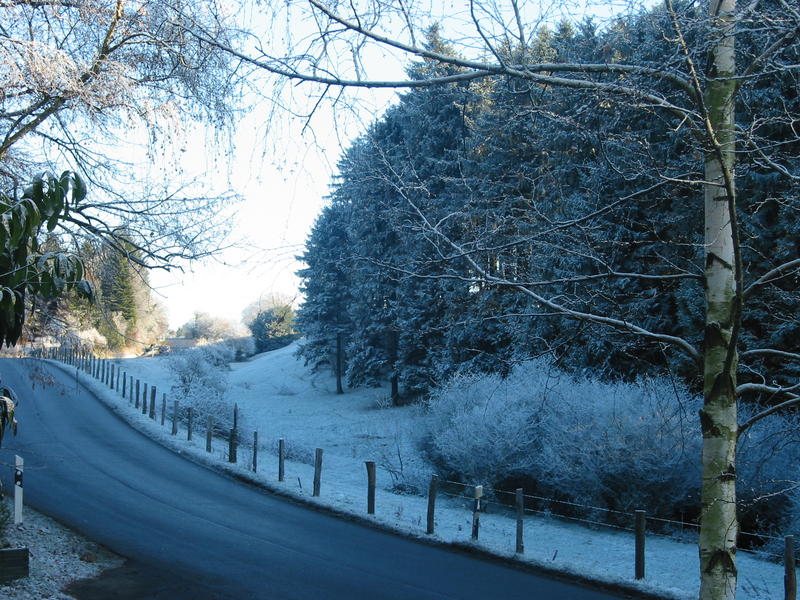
(768, 472)
(617, 446)
(201, 380)
(398, 456)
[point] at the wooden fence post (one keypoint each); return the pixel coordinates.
(144, 400)
(174, 417)
(432, 489)
(153, 392)
(232, 445)
(520, 501)
(476, 511)
(209, 433)
(190, 417)
(317, 471)
(255, 451)
(639, 528)
(789, 576)
(124, 384)
(163, 408)
(281, 459)
(370, 487)
(136, 403)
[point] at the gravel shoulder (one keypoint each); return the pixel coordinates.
(58, 557)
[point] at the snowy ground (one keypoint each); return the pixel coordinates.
(279, 398)
(57, 558)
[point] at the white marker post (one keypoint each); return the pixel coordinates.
(18, 491)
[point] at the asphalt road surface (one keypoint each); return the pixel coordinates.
(194, 534)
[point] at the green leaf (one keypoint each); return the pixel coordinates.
(84, 288)
(74, 182)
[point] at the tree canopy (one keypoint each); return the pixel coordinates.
(84, 80)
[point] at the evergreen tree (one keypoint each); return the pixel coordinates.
(323, 317)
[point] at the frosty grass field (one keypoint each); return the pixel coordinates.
(280, 398)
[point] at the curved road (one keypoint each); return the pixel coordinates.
(222, 539)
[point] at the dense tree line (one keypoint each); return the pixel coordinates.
(557, 190)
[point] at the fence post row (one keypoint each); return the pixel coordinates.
(639, 528)
(370, 487)
(432, 489)
(110, 374)
(317, 471)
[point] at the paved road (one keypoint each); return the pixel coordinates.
(216, 538)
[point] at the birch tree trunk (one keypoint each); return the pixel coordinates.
(719, 526)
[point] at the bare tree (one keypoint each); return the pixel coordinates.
(695, 87)
(82, 80)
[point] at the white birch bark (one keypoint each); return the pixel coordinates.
(719, 525)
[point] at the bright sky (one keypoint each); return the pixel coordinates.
(283, 176)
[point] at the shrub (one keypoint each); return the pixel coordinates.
(617, 446)
(273, 328)
(201, 376)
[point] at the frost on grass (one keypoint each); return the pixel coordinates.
(616, 446)
(58, 556)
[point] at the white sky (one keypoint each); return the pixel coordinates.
(283, 176)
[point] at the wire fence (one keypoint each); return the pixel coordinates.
(668, 527)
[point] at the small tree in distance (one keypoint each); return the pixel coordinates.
(208, 327)
(273, 328)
